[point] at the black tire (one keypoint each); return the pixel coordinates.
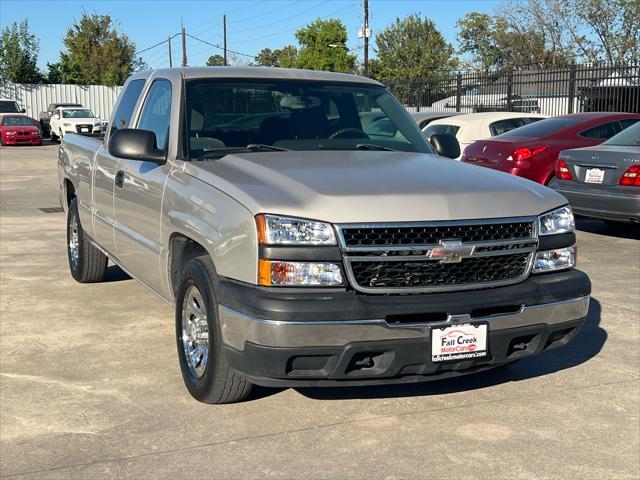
(90, 266)
(53, 137)
(217, 382)
(60, 135)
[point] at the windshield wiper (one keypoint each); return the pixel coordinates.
(373, 146)
(263, 147)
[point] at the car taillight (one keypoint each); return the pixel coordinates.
(562, 171)
(525, 153)
(631, 177)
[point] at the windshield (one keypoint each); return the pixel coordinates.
(224, 117)
(542, 128)
(7, 106)
(12, 121)
(77, 113)
(629, 137)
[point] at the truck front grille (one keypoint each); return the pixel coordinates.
(421, 274)
(437, 256)
(430, 234)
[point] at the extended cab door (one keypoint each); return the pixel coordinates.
(106, 166)
(138, 191)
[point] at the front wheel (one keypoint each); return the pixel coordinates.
(86, 262)
(205, 370)
(54, 137)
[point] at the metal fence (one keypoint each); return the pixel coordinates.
(36, 97)
(558, 91)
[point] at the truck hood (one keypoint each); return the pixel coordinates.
(370, 186)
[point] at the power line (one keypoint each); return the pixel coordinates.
(283, 20)
(292, 29)
(154, 46)
(219, 47)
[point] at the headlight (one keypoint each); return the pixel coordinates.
(10, 133)
(275, 273)
(96, 124)
(275, 230)
(558, 221)
(66, 124)
(559, 259)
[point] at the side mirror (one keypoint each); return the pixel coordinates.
(56, 116)
(24, 110)
(445, 145)
(135, 144)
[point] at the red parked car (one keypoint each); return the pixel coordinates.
(16, 129)
(531, 151)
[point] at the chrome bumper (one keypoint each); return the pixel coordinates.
(238, 328)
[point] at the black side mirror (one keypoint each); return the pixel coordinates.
(445, 145)
(135, 144)
(24, 110)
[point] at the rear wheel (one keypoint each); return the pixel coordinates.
(86, 262)
(205, 370)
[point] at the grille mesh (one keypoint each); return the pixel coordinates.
(421, 274)
(425, 235)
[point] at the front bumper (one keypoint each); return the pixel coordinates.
(619, 203)
(343, 338)
(22, 140)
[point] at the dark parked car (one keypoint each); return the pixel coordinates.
(10, 106)
(18, 129)
(531, 151)
(45, 117)
(603, 181)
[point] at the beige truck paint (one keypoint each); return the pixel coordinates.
(214, 202)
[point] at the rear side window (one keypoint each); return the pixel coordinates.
(504, 126)
(543, 127)
(156, 113)
(127, 104)
(434, 129)
(606, 130)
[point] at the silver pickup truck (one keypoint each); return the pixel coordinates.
(303, 244)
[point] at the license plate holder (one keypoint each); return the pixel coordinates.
(594, 175)
(459, 342)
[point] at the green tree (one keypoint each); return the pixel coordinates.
(97, 53)
(494, 41)
(215, 61)
(284, 57)
(412, 48)
(323, 47)
(19, 54)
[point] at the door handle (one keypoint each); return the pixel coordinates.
(119, 179)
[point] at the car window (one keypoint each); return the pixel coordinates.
(127, 103)
(628, 137)
(13, 121)
(627, 122)
(506, 125)
(226, 116)
(543, 127)
(605, 130)
(77, 113)
(156, 112)
(433, 129)
(7, 106)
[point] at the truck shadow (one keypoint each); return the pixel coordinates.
(116, 274)
(587, 344)
(600, 227)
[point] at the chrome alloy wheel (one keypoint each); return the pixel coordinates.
(195, 332)
(74, 242)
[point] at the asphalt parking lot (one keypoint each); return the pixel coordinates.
(90, 385)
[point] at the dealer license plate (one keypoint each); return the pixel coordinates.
(594, 175)
(459, 342)
(85, 130)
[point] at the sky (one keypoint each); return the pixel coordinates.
(251, 25)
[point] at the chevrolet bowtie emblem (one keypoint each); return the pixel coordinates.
(450, 251)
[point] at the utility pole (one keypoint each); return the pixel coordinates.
(184, 48)
(366, 32)
(170, 59)
(224, 33)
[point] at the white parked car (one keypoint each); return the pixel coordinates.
(477, 126)
(74, 120)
